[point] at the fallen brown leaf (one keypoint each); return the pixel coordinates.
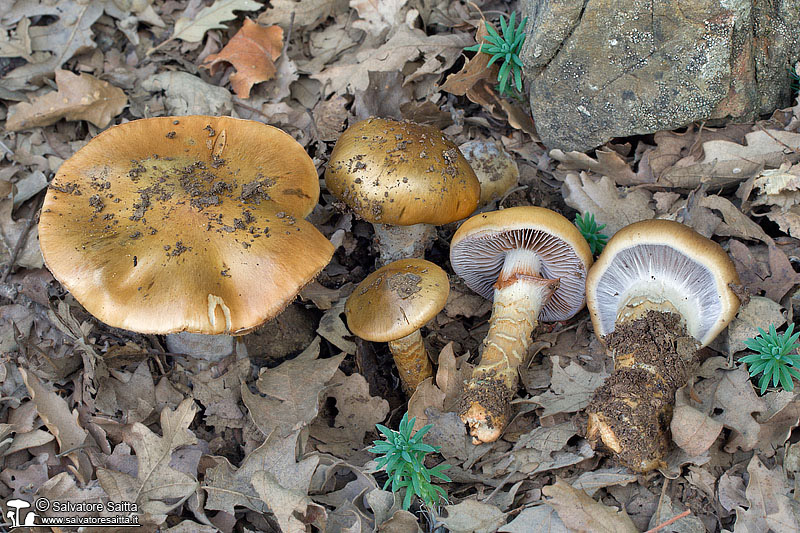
(472, 516)
(157, 487)
(580, 512)
(776, 282)
(79, 97)
(55, 414)
(252, 52)
(611, 205)
(269, 479)
(770, 506)
(291, 391)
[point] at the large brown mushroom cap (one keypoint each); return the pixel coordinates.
(396, 300)
(479, 247)
(184, 224)
(663, 264)
(401, 173)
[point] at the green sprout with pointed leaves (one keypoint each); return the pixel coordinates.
(404, 461)
(591, 232)
(505, 47)
(773, 358)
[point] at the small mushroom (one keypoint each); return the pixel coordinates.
(532, 262)
(392, 304)
(496, 170)
(184, 224)
(657, 293)
(404, 178)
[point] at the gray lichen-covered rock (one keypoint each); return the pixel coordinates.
(600, 69)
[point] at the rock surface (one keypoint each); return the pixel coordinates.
(600, 69)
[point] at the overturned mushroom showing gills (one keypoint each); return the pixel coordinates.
(184, 224)
(532, 262)
(403, 177)
(658, 293)
(392, 304)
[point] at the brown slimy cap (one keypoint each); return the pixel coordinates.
(396, 300)
(479, 248)
(188, 223)
(401, 173)
(663, 265)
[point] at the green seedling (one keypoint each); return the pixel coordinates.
(404, 461)
(504, 47)
(591, 232)
(773, 358)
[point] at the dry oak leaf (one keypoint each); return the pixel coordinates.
(610, 205)
(728, 397)
(472, 516)
(581, 513)
(570, 390)
(55, 43)
(192, 29)
(55, 414)
(81, 97)
(157, 488)
(726, 162)
(358, 412)
(775, 283)
(252, 51)
(221, 395)
(537, 519)
(433, 53)
(291, 391)
(305, 13)
(608, 163)
(283, 491)
(770, 506)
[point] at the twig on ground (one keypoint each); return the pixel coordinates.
(672, 520)
(22, 239)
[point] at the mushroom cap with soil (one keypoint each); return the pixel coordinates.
(392, 304)
(532, 262)
(399, 173)
(191, 223)
(666, 266)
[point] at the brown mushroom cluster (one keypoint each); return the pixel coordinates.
(196, 225)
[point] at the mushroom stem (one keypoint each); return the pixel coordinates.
(402, 242)
(631, 412)
(212, 348)
(519, 295)
(412, 360)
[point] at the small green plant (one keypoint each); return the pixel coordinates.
(591, 232)
(795, 84)
(773, 357)
(505, 47)
(404, 461)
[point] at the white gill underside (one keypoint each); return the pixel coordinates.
(479, 261)
(658, 274)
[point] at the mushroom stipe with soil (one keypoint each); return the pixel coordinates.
(657, 294)
(532, 262)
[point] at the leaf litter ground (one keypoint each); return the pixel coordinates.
(276, 440)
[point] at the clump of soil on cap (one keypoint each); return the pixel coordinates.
(653, 357)
(404, 284)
